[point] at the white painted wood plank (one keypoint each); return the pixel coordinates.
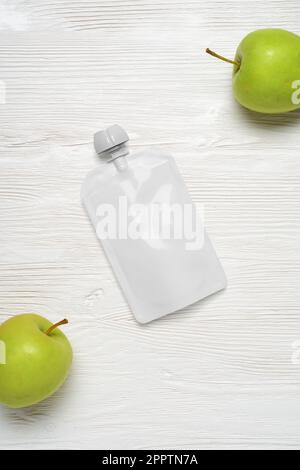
(220, 374)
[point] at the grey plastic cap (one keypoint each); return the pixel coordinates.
(110, 138)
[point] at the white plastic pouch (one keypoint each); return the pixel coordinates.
(149, 228)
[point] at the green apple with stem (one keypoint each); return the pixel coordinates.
(36, 359)
(266, 71)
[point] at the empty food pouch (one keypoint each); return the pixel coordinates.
(150, 230)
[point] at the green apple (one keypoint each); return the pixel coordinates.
(36, 361)
(266, 71)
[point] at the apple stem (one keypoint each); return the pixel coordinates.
(53, 327)
(214, 54)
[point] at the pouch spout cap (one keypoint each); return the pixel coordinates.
(110, 138)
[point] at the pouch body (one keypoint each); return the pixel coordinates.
(158, 275)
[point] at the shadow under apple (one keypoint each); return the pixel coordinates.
(260, 120)
(31, 415)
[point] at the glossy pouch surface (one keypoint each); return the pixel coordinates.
(132, 203)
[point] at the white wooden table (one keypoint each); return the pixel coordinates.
(225, 373)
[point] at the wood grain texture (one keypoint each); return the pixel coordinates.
(219, 374)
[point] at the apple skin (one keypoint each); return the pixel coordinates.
(36, 364)
(269, 64)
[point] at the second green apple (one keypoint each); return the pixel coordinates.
(266, 73)
(36, 360)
